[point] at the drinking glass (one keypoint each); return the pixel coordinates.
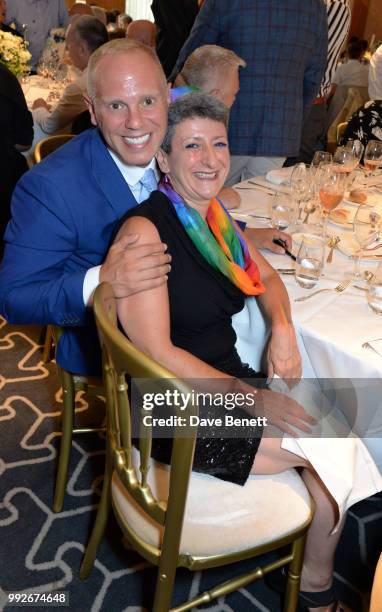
(367, 229)
(374, 293)
(356, 147)
(373, 156)
(331, 192)
(321, 157)
(283, 211)
(301, 185)
(310, 261)
(346, 162)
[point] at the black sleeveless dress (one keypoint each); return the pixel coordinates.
(202, 302)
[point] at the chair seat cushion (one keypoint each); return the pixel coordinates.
(222, 517)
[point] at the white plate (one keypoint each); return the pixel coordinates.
(372, 200)
(349, 246)
(346, 223)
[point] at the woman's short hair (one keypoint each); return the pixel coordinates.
(191, 106)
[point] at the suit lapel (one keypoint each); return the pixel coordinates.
(108, 177)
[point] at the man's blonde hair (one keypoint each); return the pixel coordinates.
(208, 62)
(119, 46)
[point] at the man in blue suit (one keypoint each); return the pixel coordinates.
(284, 44)
(66, 208)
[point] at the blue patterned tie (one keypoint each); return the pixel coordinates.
(148, 183)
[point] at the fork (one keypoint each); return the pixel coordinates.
(339, 289)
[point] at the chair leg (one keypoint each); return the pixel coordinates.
(68, 398)
(99, 525)
(47, 349)
(163, 591)
(294, 575)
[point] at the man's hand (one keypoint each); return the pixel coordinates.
(283, 354)
(131, 267)
(263, 239)
(40, 102)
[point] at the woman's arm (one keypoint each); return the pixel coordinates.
(145, 318)
(283, 354)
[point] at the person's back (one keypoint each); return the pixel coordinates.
(16, 129)
(284, 45)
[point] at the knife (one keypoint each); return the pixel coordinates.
(282, 243)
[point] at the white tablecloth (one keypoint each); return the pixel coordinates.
(331, 329)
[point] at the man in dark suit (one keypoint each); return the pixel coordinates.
(65, 209)
(284, 43)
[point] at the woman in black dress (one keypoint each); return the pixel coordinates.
(16, 129)
(186, 324)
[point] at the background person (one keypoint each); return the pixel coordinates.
(142, 30)
(39, 16)
(16, 128)
(280, 81)
(83, 37)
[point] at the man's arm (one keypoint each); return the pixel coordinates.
(316, 68)
(70, 105)
(205, 31)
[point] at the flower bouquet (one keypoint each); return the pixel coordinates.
(14, 54)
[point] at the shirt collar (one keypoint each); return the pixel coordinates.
(133, 174)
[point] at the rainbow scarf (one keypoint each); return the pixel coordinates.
(217, 240)
(178, 92)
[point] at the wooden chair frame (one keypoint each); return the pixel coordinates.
(121, 357)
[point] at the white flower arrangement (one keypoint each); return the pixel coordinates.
(14, 53)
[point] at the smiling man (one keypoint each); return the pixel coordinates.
(65, 209)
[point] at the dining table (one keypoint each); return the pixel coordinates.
(38, 87)
(332, 328)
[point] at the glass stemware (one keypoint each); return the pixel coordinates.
(331, 189)
(321, 157)
(367, 228)
(346, 162)
(301, 185)
(373, 156)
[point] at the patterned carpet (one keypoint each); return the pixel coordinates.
(41, 552)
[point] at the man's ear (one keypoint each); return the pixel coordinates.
(161, 158)
(90, 105)
(168, 93)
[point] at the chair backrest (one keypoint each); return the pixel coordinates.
(124, 361)
(48, 145)
(341, 127)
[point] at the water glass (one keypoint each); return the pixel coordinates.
(321, 157)
(283, 211)
(310, 261)
(374, 293)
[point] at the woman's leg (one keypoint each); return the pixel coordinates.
(317, 574)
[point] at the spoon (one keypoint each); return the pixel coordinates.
(309, 210)
(332, 244)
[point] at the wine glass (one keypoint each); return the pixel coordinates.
(331, 191)
(367, 228)
(321, 157)
(356, 147)
(283, 210)
(373, 156)
(301, 185)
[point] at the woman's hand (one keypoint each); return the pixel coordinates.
(263, 238)
(283, 355)
(283, 412)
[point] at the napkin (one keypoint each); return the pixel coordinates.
(281, 176)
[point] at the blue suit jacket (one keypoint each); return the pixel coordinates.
(64, 212)
(284, 43)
